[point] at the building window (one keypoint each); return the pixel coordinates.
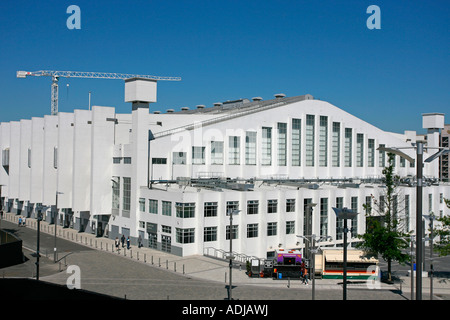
(290, 205)
(296, 141)
(179, 157)
(210, 209)
(216, 152)
(198, 155)
(402, 162)
(252, 206)
(381, 157)
(232, 205)
(271, 229)
(282, 132)
(339, 222)
(166, 208)
(272, 206)
(233, 150)
(336, 145)
(359, 150)
(153, 206)
(348, 147)
(382, 205)
(209, 234)
(158, 160)
(55, 157)
(115, 192)
(5, 157)
(266, 146)
(309, 140)
(29, 157)
(252, 230)
(166, 229)
(126, 193)
(127, 160)
(152, 239)
(371, 153)
(290, 227)
(116, 160)
(185, 210)
(407, 213)
(142, 204)
(323, 141)
(430, 202)
(250, 148)
(368, 206)
(307, 216)
(323, 217)
(185, 235)
(393, 160)
(235, 229)
(354, 208)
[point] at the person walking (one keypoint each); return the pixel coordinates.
(117, 244)
(123, 241)
(128, 242)
(304, 276)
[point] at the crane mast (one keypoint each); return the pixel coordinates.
(81, 74)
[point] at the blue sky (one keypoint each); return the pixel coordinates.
(226, 50)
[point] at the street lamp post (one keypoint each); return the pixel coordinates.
(345, 214)
(39, 219)
(419, 145)
(313, 251)
(231, 212)
(308, 225)
(431, 217)
(419, 195)
(56, 223)
(411, 239)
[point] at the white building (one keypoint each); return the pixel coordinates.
(169, 178)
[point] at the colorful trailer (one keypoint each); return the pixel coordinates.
(288, 257)
(329, 263)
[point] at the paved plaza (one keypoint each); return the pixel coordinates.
(147, 274)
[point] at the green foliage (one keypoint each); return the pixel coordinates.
(383, 235)
(443, 245)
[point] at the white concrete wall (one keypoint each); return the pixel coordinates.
(202, 136)
(65, 159)
(87, 141)
(102, 147)
(49, 182)
(5, 132)
(82, 139)
(37, 160)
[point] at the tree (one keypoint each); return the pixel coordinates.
(383, 236)
(443, 232)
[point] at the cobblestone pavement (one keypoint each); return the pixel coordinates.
(146, 274)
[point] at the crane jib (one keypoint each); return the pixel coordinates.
(93, 75)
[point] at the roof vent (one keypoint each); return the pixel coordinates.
(257, 98)
(156, 112)
(170, 110)
(280, 95)
(184, 108)
(217, 104)
(200, 106)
